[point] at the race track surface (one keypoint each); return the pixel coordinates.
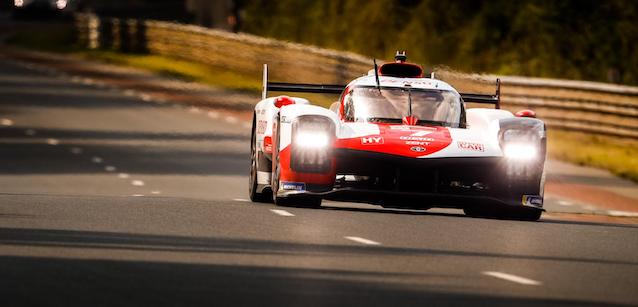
(109, 200)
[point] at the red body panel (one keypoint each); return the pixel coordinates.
(407, 141)
(287, 174)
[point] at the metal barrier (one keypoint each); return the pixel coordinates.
(590, 107)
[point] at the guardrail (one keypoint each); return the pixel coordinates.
(590, 107)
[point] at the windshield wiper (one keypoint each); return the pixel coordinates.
(384, 119)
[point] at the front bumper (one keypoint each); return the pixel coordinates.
(425, 183)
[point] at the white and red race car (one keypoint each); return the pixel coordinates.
(399, 140)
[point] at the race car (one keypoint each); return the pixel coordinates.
(399, 140)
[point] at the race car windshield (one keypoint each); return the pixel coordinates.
(433, 107)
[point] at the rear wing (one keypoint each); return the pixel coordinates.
(337, 89)
(485, 99)
(297, 87)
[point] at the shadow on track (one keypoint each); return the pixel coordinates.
(35, 281)
(139, 242)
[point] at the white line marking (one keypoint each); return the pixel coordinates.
(281, 212)
(53, 142)
(137, 195)
(564, 203)
(123, 175)
(97, 160)
(622, 213)
(30, 132)
(110, 168)
(137, 183)
(363, 240)
(6, 122)
(156, 192)
(194, 110)
(212, 114)
(231, 119)
(241, 199)
(513, 278)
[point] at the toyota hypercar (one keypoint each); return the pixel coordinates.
(399, 140)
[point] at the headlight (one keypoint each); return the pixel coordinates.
(521, 152)
(522, 139)
(312, 139)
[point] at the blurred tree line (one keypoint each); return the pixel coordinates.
(575, 39)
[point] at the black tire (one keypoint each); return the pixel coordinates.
(296, 201)
(252, 178)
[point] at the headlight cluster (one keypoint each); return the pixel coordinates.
(522, 152)
(522, 139)
(312, 138)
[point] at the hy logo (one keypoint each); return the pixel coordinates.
(372, 140)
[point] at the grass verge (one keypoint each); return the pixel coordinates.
(59, 38)
(619, 157)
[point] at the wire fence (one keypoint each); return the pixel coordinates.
(590, 107)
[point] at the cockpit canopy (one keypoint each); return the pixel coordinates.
(392, 104)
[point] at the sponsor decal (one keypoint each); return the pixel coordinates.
(261, 126)
(417, 149)
(471, 146)
(372, 140)
(295, 186)
(535, 201)
(416, 138)
(417, 143)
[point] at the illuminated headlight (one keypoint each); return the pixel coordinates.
(18, 3)
(312, 139)
(60, 4)
(521, 152)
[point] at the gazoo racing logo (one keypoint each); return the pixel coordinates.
(372, 140)
(471, 146)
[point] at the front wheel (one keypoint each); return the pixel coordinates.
(252, 179)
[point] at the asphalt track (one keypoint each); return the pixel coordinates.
(109, 200)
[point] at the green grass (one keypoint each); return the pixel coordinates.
(181, 69)
(618, 156)
(59, 38)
